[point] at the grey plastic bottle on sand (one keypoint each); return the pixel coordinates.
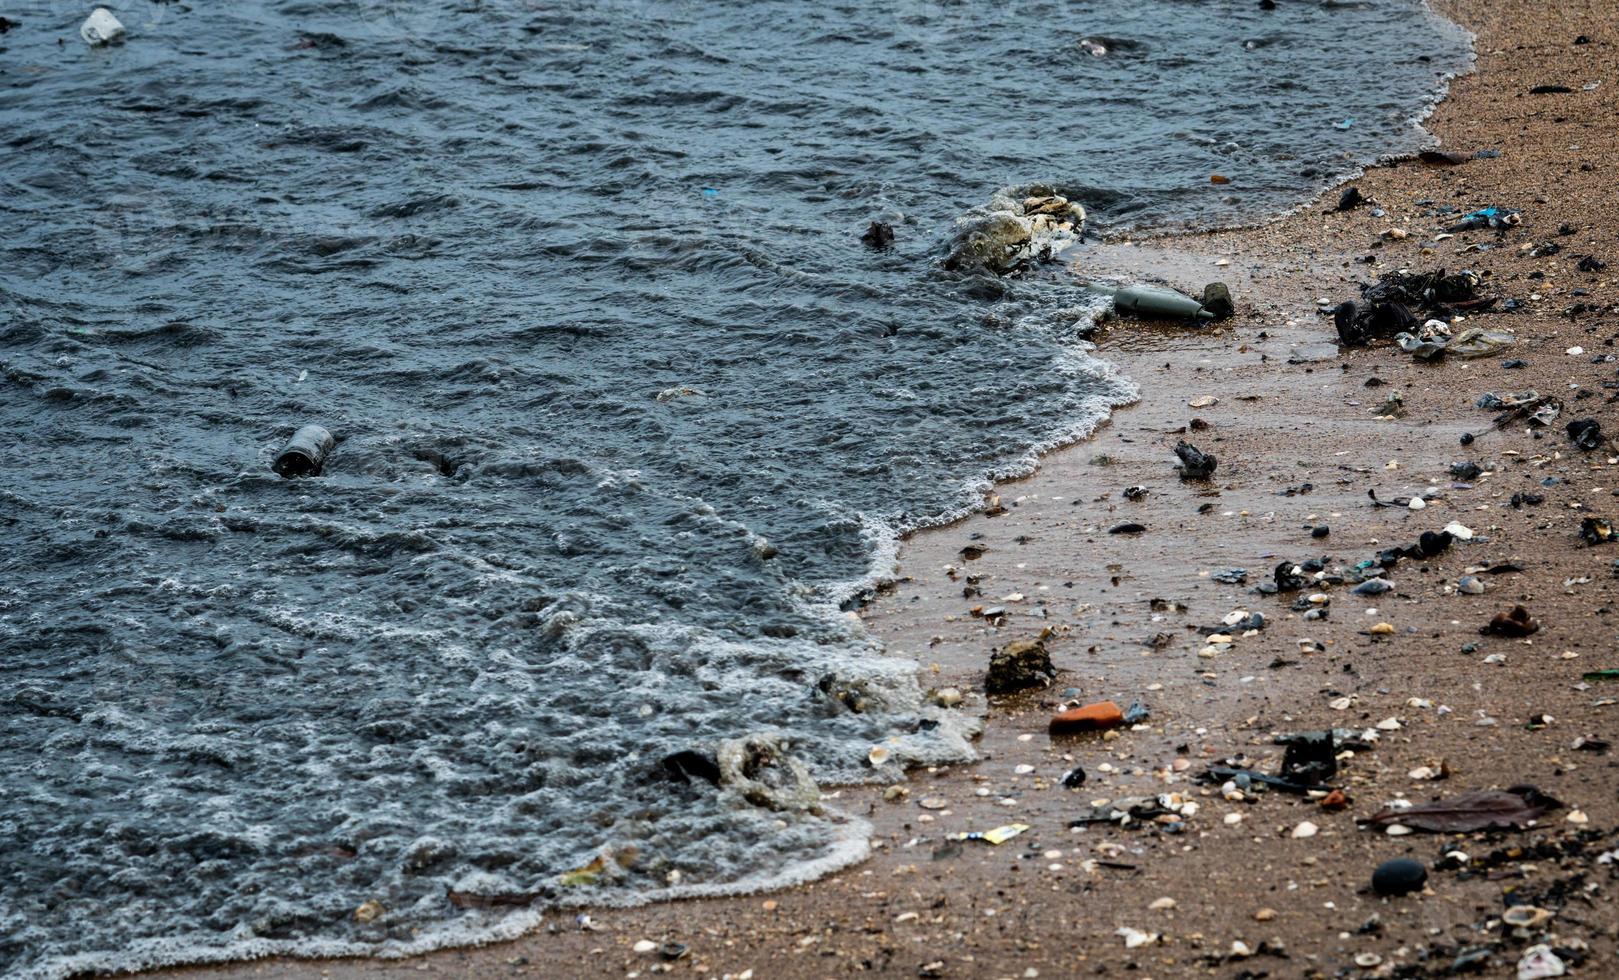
(1153, 301)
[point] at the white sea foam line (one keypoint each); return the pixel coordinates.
(849, 846)
(894, 675)
(149, 954)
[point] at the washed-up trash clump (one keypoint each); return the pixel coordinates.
(1596, 530)
(1390, 308)
(1167, 810)
(1496, 218)
(1529, 407)
(1586, 434)
(1434, 340)
(1195, 464)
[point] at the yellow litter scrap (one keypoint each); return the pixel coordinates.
(999, 835)
(587, 874)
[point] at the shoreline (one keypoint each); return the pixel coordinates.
(1292, 410)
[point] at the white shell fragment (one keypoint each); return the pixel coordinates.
(1539, 962)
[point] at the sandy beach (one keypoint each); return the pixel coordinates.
(1274, 883)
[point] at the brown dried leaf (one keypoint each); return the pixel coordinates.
(1510, 809)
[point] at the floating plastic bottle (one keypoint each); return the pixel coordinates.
(305, 453)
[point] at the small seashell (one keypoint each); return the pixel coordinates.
(1525, 916)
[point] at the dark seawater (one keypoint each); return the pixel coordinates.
(477, 241)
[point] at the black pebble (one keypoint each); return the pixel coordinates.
(1399, 877)
(1075, 778)
(1320, 531)
(1467, 438)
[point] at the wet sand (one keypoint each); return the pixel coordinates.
(1301, 434)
